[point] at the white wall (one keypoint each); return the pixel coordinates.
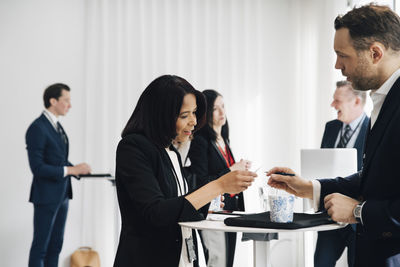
(42, 42)
(266, 57)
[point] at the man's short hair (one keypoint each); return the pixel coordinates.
(53, 91)
(371, 23)
(361, 94)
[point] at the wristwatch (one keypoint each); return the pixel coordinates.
(357, 212)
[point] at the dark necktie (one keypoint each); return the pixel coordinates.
(61, 132)
(345, 137)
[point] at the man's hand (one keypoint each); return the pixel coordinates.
(340, 207)
(292, 184)
(81, 168)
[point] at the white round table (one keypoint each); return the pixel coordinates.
(261, 249)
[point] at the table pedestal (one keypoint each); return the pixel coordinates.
(262, 253)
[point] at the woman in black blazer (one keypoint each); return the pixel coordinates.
(211, 157)
(153, 194)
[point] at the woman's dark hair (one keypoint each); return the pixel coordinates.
(53, 91)
(208, 129)
(158, 108)
(371, 23)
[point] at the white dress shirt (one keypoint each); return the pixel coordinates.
(354, 125)
(53, 121)
(378, 97)
(183, 149)
(182, 189)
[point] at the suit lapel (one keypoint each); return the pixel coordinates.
(173, 182)
(221, 157)
(54, 133)
(361, 136)
(334, 134)
(228, 146)
(374, 138)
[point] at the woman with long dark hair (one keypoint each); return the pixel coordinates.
(212, 157)
(153, 193)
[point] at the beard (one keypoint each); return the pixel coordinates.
(363, 78)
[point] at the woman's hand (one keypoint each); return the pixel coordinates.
(233, 182)
(236, 181)
(242, 165)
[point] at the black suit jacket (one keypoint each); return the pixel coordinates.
(332, 129)
(208, 164)
(48, 154)
(378, 238)
(149, 205)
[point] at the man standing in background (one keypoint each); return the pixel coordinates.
(347, 131)
(47, 145)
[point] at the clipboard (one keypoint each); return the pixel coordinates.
(96, 176)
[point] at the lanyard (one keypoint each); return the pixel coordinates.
(226, 154)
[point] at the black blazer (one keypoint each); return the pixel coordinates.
(332, 129)
(149, 205)
(48, 154)
(378, 238)
(208, 164)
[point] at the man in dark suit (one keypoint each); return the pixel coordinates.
(367, 45)
(47, 145)
(347, 131)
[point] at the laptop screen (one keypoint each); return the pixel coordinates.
(328, 162)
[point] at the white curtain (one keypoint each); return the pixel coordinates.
(273, 61)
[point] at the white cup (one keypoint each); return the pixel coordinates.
(215, 204)
(281, 207)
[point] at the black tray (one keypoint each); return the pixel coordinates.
(261, 220)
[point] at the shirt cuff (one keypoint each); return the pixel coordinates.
(65, 171)
(316, 194)
(362, 205)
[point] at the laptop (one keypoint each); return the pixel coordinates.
(328, 162)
